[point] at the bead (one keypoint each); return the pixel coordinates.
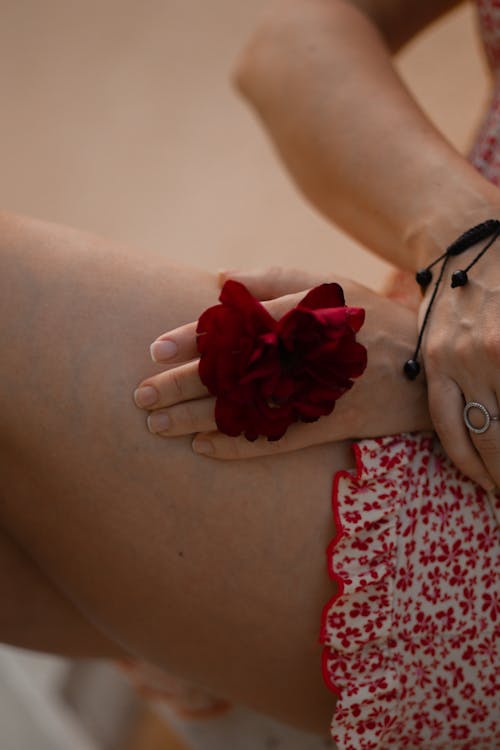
(459, 278)
(411, 369)
(424, 277)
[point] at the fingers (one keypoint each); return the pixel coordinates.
(178, 345)
(299, 435)
(487, 443)
(175, 396)
(273, 282)
(184, 419)
(170, 387)
(446, 406)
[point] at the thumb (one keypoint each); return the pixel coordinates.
(273, 282)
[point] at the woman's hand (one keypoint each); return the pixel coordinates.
(381, 402)
(461, 355)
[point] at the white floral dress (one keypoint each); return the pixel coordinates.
(411, 638)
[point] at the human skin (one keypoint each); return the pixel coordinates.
(185, 403)
(212, 571)
(320, 77)
(35, 615)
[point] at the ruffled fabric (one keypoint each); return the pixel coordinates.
(411, 636)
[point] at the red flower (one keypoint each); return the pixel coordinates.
(268, 373)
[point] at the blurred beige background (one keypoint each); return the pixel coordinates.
(118, 117)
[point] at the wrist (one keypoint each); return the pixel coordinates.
(455, 209)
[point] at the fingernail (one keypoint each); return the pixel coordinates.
(158, 422)
(203, 446)
(145, 396)
(162, 350)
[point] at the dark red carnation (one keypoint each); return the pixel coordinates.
(268, 373)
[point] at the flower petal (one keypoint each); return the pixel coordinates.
(236, 295)
(323, 296)
(267, 374)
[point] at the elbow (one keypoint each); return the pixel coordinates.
(244, 70)
(281, 35)
(274, 43)
(252, 68)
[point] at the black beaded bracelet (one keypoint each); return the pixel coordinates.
(488, 230)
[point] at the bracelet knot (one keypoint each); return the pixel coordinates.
(489, 230)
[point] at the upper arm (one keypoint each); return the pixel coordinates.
(400, 20)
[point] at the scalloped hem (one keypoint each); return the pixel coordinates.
(395, 627)
(357, 529)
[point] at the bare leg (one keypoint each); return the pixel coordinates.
(35, 615)
(214, 571)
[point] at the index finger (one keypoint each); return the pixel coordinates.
(178, 345)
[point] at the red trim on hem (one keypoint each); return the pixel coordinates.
(339, 533)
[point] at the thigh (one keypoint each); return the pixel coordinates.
(215, 571)
(34, 614)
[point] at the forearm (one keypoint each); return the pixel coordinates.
(319, 74)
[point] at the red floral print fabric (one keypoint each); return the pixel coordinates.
(411, 638)
(485, 154)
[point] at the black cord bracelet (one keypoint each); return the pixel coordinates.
(489, 230)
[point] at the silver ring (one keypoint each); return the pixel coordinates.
(488, 419)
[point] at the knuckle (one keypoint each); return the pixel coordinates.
(182, 419)
(289, 280)
(188, 417)
(433, 352)
(492, 347)
(431, 356)
(175, 385)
